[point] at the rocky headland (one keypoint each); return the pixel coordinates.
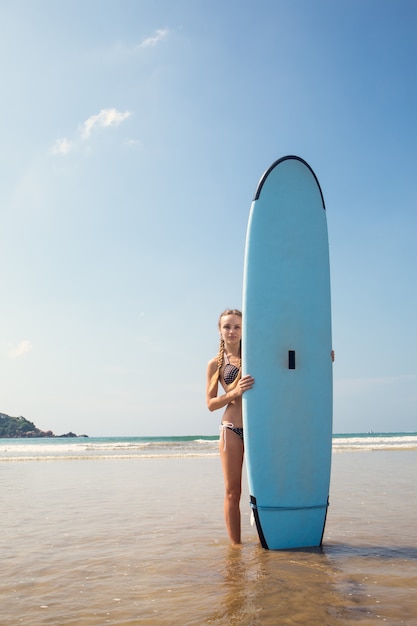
(16, 427)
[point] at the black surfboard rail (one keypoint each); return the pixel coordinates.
(274, 165)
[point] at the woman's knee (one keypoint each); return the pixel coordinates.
(233, 495)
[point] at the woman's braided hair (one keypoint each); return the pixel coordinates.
(220, 355)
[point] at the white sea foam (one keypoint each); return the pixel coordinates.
(95, 448)
(370, 442)
(151, 447)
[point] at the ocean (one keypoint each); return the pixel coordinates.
(128, 531)
(170, 447)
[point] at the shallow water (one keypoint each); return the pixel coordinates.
(142, 541)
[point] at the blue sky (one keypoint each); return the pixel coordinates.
(133, 137)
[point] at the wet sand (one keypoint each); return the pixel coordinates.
(142, 541)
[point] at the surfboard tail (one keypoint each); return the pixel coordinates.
(288, 528)
(258, 522)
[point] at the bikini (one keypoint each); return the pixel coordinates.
(230, 373)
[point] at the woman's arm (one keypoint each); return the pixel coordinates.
(215, 402)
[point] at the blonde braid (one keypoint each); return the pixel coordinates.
(216, 375)
(220, 356)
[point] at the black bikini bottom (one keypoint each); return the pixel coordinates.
(229, 426)
(238, 431)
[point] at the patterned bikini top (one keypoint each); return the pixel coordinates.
(230, 372)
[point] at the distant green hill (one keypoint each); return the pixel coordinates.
(15, 427)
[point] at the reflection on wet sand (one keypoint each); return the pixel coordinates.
(270, 588)
(335, 585)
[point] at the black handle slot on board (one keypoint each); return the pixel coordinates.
(291, 359)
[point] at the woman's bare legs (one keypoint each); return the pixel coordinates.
(232, 460)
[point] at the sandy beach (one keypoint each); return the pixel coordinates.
(142, 541)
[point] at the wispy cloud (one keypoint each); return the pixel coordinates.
(62, 146)
(20, 349)
(104, 119)
(124, 51)
(151, 42)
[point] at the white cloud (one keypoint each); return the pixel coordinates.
(62, 146)
(22, 348)
(122, 51)
(106, 117)
(151, 42)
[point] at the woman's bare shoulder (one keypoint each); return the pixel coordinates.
(212, 364)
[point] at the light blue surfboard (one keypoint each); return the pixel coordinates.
(286, 347)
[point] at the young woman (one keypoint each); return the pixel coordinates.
(226, 369)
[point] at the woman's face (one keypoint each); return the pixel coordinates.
(231, 328)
